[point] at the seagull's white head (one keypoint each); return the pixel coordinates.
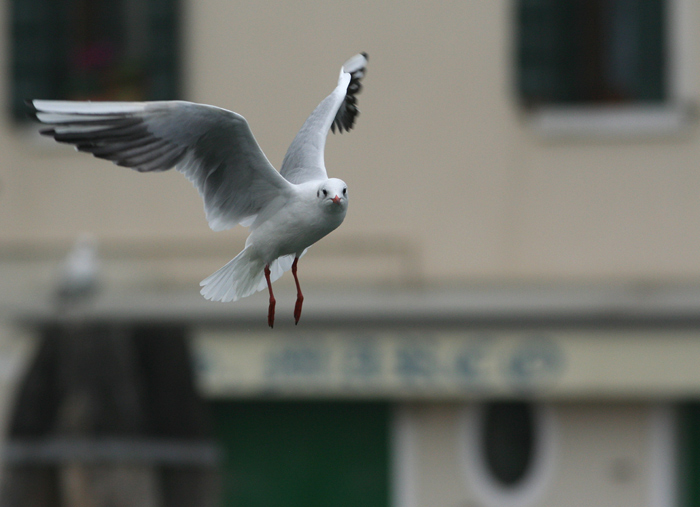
(333, 195)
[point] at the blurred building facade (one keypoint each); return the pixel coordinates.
(521, 246)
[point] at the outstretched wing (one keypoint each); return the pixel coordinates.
(304, 158)
(214, 148)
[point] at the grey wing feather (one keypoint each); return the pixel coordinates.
(304, 160)
(214, 148)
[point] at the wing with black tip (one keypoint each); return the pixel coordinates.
(304, 159)
(214, 148)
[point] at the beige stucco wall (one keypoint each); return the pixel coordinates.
(440, 163)
(444, 176)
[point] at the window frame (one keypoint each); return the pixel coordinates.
(164, 23)
(606, 121)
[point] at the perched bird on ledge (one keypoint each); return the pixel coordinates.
(287, 211)
(78, 282)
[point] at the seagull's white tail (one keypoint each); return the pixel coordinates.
(242, 276)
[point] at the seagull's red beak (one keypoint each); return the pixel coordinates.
(336, 199)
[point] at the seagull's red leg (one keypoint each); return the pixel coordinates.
(271, 309)
(300, 296)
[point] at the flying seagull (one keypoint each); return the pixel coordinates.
(287, 211)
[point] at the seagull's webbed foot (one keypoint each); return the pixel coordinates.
(300, 296)
(273, 302)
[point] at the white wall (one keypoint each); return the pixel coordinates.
(602, 455)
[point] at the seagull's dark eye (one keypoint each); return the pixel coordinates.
(345, 191)
(325, 192)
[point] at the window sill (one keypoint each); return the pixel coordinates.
(611, 122)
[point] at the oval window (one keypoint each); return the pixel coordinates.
(508, 450)
(508, 440)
